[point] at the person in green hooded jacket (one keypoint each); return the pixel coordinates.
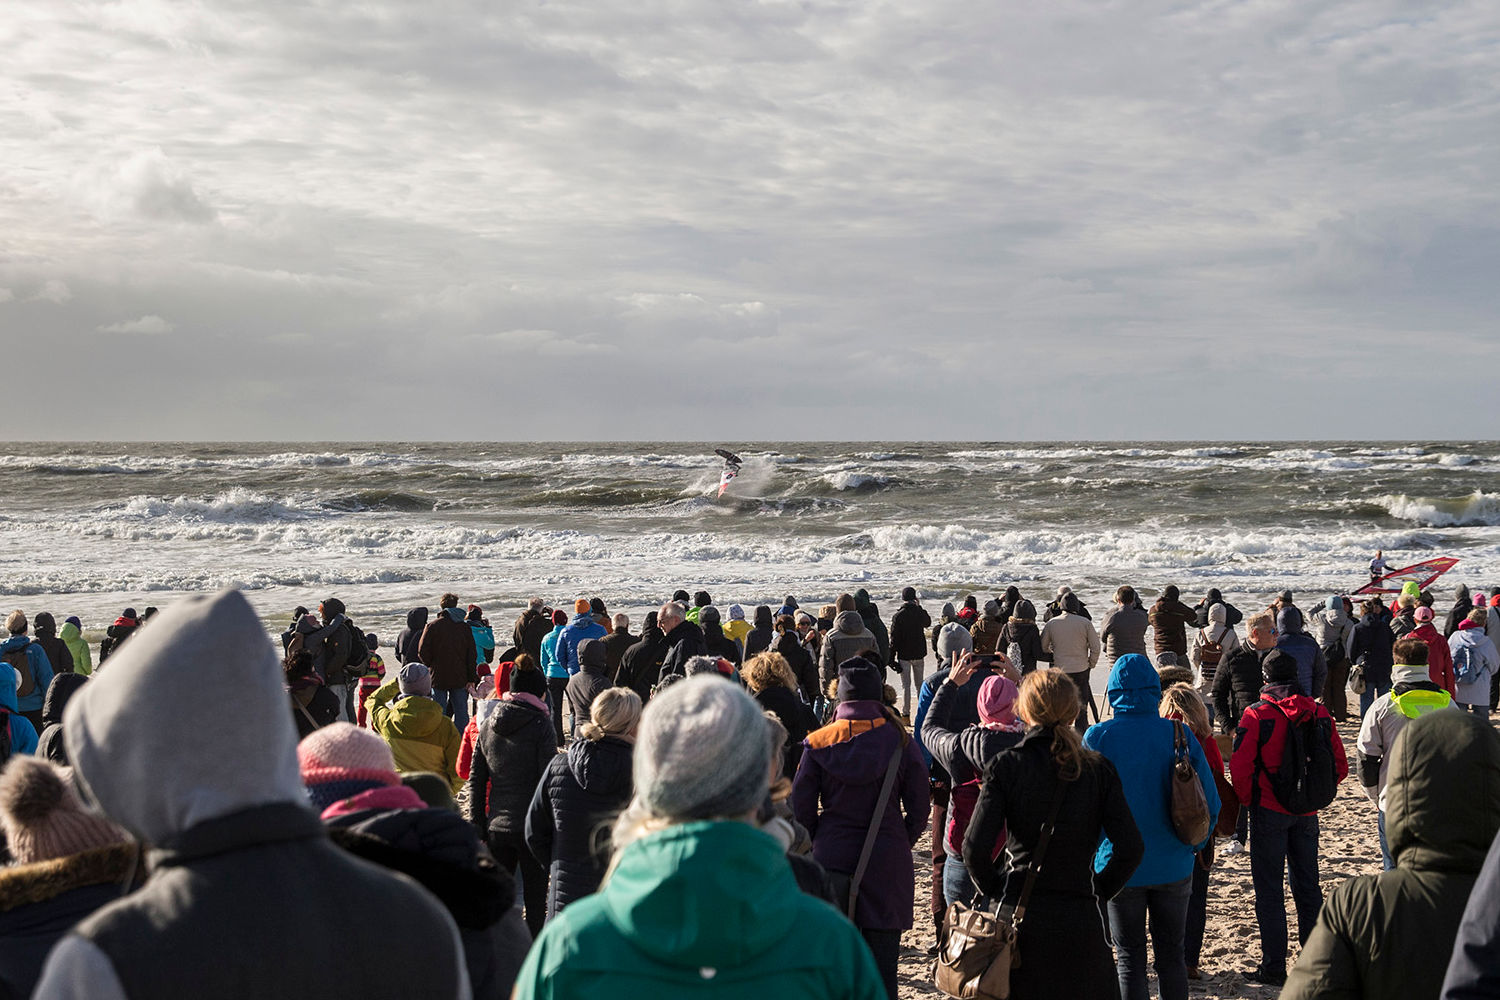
(1390, 935)
(83, 663)
(700, 901)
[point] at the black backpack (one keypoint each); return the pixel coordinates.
(1308, 777)
(359, 654)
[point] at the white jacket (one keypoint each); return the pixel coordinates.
(1073, 643)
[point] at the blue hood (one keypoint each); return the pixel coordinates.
(1134, 686)
(8, 687)
(14, 643)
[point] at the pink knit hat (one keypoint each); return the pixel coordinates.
(42, 815)
(341, 760)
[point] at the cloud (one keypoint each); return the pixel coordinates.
(818, 219)
(146, 324)
(54, 291)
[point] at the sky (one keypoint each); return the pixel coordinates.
(936, 219)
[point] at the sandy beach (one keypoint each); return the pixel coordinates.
(1348, 846)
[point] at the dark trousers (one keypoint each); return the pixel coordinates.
(1081, 681)
(1167, 906)
(511, 854)
(1281, 843)
(886, 947)
(556, 687)
(1197, 916)
(939, 854)
(1336, 690)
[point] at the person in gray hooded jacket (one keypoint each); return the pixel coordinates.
(848, 638)
(237, 854)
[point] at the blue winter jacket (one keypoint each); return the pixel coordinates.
(22, 732)
(580, 628)
(1139, 743)
(41, 671)
(484, 638)
(550, 666)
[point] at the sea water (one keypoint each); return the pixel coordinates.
(89, 529)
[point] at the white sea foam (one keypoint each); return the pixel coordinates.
(1476, 509)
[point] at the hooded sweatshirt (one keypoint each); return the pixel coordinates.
(1331, 628)
(411, 636)
(219, 797)
(1140, 744)
(870, 614)
(765, 938)
(1470, 643)
(849, 638)
(23, 735)
(1390, 936)
(1462, 604)
(759, 638)
(44, 634)
(41, 670)
(83, 663)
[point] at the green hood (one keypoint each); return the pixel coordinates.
(1442, 797)
(702, 894)
(1418, 702)
(414, 718)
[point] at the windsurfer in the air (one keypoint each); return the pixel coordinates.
(1378, 568)
(731, 468)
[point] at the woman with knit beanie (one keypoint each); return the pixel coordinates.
(698, 902)
(67, 862)
(511, 753)
(835, 795)
(581, 792)
(346, 769)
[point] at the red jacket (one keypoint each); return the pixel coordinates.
(1439, 657)
(1262, 735)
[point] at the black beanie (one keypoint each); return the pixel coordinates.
(1280, 667)
(909, 593)
(530, 681)
(860, 680)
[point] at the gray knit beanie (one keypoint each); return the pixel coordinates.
(953, 641)
(703, 751)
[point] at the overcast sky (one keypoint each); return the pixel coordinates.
(699, 219)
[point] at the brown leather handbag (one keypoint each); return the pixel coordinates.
(1190, 818)
(980, 947)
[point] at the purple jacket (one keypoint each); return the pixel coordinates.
(834, 795)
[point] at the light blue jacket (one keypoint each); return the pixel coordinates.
(1139, 742)
(22, 732)
(41, 671)
(550, 667)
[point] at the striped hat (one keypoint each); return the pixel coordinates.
(341, 760)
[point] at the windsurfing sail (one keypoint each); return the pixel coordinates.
(1423, 573)
(731, 468)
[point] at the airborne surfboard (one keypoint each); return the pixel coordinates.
(731, 468)
(1423, 573)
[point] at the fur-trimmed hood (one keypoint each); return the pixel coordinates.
(41, 881)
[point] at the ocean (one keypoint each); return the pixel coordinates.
(89, 529)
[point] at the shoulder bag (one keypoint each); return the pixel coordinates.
(1190, 818)
(980, 947)
(846, 887)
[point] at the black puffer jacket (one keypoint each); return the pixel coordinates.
(683, 643)
(801, 661)
(719, 644)
(511, 752)
(50, 743)
(409, 637)
(909, 631)
(438, 849)
(640, 667)
(1237, 685)
(759, 638)
(962, 751)
(581, 793)
(795, 716)
(1020, 630)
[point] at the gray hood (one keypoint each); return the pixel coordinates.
(849, 623)
(189, 722)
